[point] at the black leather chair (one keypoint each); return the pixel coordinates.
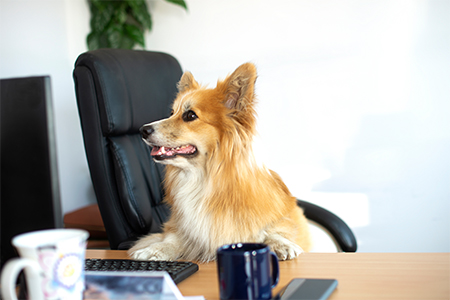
(117, 92)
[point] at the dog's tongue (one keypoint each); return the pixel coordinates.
(167, 151)
(155, 150)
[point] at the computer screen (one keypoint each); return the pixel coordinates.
(30, 197)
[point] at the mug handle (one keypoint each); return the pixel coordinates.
(275, 269)
(10, 273)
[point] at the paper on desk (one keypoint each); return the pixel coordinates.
(194, 298)
(130, 285)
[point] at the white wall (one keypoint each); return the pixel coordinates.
(354, 98)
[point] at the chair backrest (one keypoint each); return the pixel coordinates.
(117, 92)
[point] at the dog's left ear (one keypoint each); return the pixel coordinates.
(187, 82)
(240, 87)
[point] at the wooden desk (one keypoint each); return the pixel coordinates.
(424, 276)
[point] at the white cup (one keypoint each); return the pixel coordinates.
(53, 261)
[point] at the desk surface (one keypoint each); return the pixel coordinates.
(360, 275)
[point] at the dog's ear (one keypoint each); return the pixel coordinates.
(240, 87)
(187, 82)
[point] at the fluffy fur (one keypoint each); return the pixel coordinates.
(217, 192)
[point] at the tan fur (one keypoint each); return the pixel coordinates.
(220, 195)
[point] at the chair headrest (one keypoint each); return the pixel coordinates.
(132, 95)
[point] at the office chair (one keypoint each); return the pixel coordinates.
(117, 92)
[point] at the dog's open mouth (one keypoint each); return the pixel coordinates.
(160, 153)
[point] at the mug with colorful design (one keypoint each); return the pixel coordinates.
(53, 261)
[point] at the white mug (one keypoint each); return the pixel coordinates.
(53, 261)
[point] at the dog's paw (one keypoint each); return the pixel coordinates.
(285, 249)
(156, 251)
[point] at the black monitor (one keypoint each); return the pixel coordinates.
(30, 198)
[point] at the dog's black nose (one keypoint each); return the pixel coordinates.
(146, 130)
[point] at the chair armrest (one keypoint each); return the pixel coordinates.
(338, 229)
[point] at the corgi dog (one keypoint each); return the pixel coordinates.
(217, 192)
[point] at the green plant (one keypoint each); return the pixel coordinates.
(120, 23)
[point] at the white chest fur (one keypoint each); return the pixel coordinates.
(194, 221)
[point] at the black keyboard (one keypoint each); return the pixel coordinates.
(178, 270)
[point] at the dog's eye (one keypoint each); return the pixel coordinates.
(189, 116)
(171, 112)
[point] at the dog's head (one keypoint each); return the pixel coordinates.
(206, 122)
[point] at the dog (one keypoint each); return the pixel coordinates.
(217, 192)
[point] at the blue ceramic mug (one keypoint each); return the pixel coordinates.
(247, 271)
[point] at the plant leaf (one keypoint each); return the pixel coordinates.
(101, 15)
(97, 40)
(179, 2)
(98, 3)
(126, 42)
(135, 33)
(140, 12)
(114, 35)
(93, 41)
(120, 13)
